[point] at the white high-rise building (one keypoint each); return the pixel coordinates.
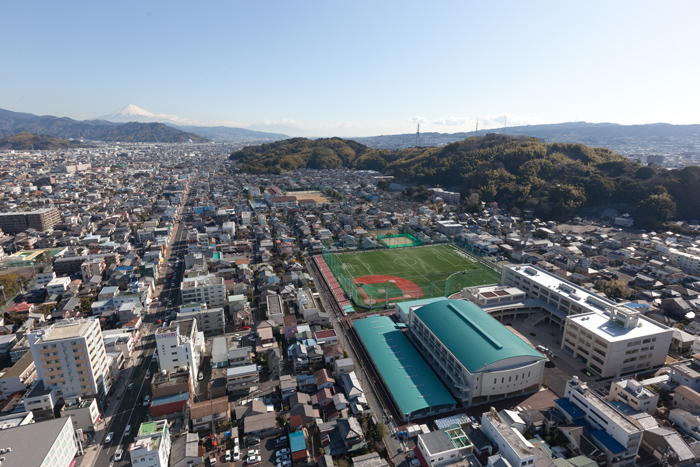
(70, 355)
(180, 345)
(204, 289)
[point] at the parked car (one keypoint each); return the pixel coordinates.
(283, 451)
(253, 460)
(227, 456)
(109, 437)
(252, 441)
(236, 453)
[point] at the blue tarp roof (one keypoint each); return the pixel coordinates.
(566, 405)
(608, 441)
(297, 442)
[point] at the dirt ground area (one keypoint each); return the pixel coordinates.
(317, 196)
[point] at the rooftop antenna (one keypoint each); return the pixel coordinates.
(418, 135)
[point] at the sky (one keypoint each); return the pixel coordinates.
(355, 68)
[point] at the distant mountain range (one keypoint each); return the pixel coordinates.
(25, 141)
(132, 113)
(623, 139)
(12, 123)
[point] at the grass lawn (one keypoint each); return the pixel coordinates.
(420, 271)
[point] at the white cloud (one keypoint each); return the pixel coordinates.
(283, 121)
(451, 121)
(417, 120)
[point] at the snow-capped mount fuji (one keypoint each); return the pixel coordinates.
(220, 133)
(132, 113)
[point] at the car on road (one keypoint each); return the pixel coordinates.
(148, 374)
(118, 454)
(146, 401)
(139, 401)
(130, 387)
(127, 431)
(109, 437)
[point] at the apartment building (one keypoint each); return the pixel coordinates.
(152, 445)
(209, 320)
(616, 342)
(688, 262)
(92, 267)
(40, 219)
(242, 379)
(478, 358)
(180, 345)
(208, 289)
(613, 432)
(70, 355)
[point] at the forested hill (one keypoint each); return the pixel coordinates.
(26, 141)
(556, 180)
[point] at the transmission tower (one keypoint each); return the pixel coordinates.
(476, 132)
(505, 125)
(418, 135)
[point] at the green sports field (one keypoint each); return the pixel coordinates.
(370, 278)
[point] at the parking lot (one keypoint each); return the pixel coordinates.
(564, 365)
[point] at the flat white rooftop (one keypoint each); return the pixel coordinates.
(587, 300)
(601, 326)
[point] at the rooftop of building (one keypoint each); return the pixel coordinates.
(604, 327)
(241, 370)
(587, 300)
(151, 428)
(67, 330)
(635, 388)
(609, 411)
(30, 444)
(411, 381)
(520, 446)
(20, 367)
(474, 337)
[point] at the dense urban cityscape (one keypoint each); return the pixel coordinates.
(161, 307)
